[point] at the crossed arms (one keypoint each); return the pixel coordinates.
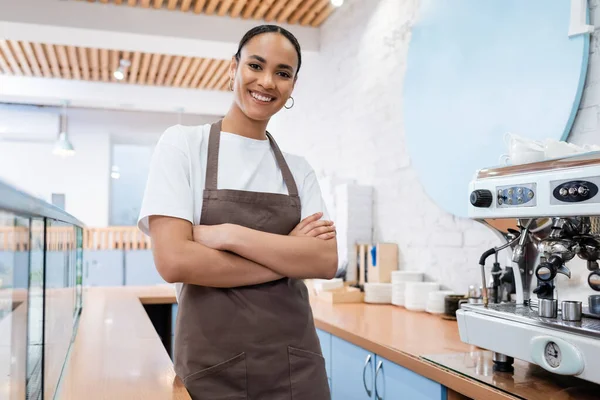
(230, 255)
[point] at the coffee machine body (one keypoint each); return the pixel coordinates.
(548, 217)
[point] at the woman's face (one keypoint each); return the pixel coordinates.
(264, 78)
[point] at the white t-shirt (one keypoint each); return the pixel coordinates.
(178, 170)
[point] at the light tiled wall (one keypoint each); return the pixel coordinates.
(350, 104)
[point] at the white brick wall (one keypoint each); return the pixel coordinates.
(347, 121)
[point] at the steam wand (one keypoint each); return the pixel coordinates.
(484, 256)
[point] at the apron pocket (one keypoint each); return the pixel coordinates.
(308, 378)
(226, 380)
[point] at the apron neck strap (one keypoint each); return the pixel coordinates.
(212, 164)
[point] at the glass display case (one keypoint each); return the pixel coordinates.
(40, 293)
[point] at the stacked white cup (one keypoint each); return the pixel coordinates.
(436, 301)
(378, 293)
(417, 294)
(399, 279)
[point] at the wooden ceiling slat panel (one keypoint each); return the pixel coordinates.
(237, 8)
(185, 5)
(305, 12)
(211, 7)
(191, 72)
(125, 55)
(63, 61)
(142, 77)
(74, 63)
(51, 52)
(209, 73)
(223, 83)
(250, 8)
(322, 16)
(41, 57)
(185, 65)
(83, 60)
(288, 10)
(154, 65)
(8, 56)
(4, 68)
(199, 6)
(262, 9)
(31, 58)
(134, 68)
(104, 65)
(20, 56)
(300, 11)
(201, 71)
(164, 67)
(224, 7)
(312, 13)
(94, 64)
(274, 10)
(173, 70)
(222, 70)
(114, 64)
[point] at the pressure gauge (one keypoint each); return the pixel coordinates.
(552, 354)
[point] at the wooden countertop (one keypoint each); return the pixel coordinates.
(118, 354)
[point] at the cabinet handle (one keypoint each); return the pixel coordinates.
(367, 362)
(379, 368)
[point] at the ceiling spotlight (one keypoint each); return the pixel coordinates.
(337, 3)
(119, 73)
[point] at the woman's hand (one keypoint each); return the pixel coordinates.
(214, 236)
(311, 226)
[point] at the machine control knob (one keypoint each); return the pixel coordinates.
(573, 191)
(583, 190)
(563, 192)
(481, 198)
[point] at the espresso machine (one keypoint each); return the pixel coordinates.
(548, 217)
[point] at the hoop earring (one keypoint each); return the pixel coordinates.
(231, 85)
(293, 102)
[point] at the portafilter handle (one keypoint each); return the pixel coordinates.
(547, 270)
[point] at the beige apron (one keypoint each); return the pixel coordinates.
(253, 342)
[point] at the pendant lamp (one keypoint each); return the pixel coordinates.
(63, 146)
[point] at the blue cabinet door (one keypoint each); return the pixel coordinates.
(352, 371)
(140, 269)
(173, 320)
(103, 268)
(325, 339)
(395, 382)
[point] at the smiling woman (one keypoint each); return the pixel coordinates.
(264, 71)
(237, 224)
